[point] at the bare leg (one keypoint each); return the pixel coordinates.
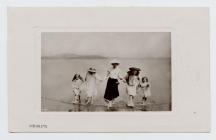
(106, 102)
(131, 98)
(113, 100)
(144, 100)
(109, 105)
(130, 101)
(79, 99)
(76, 99)
(91, 100)
(88, 100)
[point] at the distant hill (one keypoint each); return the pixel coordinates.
(73, 56)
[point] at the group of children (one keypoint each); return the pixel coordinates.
(133, 84)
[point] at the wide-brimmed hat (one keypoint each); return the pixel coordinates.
(114, 61)
(91, 70)
(134, 69)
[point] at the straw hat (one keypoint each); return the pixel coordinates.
(114, 61)
(91, 70)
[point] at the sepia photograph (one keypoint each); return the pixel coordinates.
(105, 71)
(128, 69)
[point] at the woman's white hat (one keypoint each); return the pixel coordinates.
(114, 61)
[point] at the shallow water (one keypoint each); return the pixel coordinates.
(57, 91)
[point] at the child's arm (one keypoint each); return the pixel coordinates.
(148, 85)
(99, 78)
(86, 76)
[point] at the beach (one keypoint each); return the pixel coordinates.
(57, 73)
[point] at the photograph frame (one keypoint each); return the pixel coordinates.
(14, 126)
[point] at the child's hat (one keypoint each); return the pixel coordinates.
(91, 70)
(114, 61)
(134, 69)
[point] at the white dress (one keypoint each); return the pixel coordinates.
(91, 85)
(76, 86)
(132, 84)
(145, 89)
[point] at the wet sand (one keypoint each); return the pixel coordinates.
(63, 106)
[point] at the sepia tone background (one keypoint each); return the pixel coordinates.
(67, 53)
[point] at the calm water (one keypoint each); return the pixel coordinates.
(57, 75)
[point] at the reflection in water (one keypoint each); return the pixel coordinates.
(117, 107)
(56, 92)
(75, 108)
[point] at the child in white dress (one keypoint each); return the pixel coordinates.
(91, 85)
(145, 88)
(77, 82)
(132, 80)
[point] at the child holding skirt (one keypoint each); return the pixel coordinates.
(132, 80)
(91, 85)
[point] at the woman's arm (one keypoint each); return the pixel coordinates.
(120, 77)
(107, 75)
(125, 78)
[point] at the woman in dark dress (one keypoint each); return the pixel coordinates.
(113, 76)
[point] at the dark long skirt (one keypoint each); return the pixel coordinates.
(111, 91)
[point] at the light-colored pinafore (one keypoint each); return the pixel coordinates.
(91, 85)
(132, 84)
(76, 87)
(145, 90)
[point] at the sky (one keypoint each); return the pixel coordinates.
(107, 44)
